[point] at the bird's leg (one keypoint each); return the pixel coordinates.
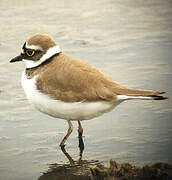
(62, 144)
(80, 129)
(81, 143)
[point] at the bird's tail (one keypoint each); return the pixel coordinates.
(140, 94)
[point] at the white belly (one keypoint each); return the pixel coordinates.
(64, 110)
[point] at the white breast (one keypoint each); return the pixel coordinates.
(60, 109)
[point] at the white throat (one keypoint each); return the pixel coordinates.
(52, 51)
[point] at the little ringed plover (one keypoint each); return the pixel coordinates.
(67, 88)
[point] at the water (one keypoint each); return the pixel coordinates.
(131, 41)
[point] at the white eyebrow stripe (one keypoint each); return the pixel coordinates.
(33, 47)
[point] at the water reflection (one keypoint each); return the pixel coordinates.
(79, 170)
(81, 149)
(75, 169)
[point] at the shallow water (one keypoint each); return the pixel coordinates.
(131, 41)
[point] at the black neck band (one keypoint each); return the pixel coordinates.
(44, 62)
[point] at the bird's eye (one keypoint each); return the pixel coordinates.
(30, 52)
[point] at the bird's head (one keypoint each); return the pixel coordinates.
(36, 50)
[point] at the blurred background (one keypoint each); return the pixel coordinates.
(130, 41)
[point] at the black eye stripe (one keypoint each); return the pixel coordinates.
(38, 51)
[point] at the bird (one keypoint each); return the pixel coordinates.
(65, 87)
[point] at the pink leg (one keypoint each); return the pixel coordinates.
(62, 144)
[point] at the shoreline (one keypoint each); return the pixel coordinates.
(94, 170)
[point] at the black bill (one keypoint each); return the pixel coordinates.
(18, 58)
